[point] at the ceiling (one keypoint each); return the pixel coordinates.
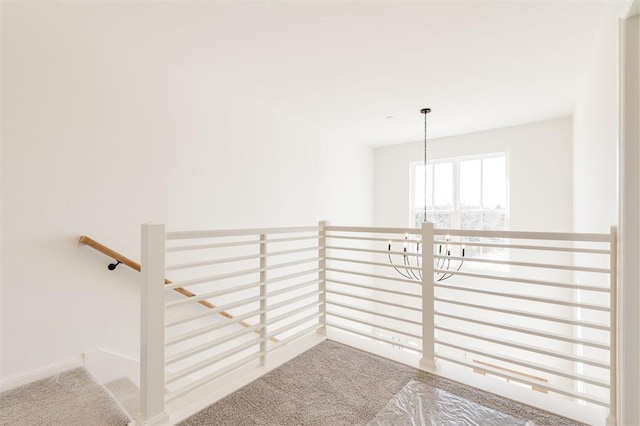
(365, 69)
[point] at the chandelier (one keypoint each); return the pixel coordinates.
(444, 263)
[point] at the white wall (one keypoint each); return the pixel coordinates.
(539, 173)
(114, 115)
(595, 134)
(596, 169)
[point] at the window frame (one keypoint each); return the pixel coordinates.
(455, 213)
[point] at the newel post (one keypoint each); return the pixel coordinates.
(427, 362)
(152, 408)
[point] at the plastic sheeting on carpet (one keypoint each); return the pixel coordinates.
(420, 404)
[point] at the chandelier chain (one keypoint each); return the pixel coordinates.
(424, 219)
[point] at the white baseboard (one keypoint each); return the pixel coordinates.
(159, 420)
(106, 366)
(43, 373)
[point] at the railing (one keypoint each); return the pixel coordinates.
(548, 312)
(368, 298)
(122, 259)
(536, 309)
(271, 278)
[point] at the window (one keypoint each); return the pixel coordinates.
(464, 193)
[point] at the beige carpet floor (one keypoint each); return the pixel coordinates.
(68, 399)
(331, 384)
(334, 384)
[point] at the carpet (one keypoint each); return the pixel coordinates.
(70, 399)
(334, 384)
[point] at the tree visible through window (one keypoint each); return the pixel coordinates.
(463, 193)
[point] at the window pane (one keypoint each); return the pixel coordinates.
(494, 185)
(440, 220)
(471, 221)
(429, 187)
(443, 188)
(470, 185)
(418, 187)
(494, 221)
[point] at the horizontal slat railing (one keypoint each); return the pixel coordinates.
(530, 331)
(544, 303)
(519, 378)
(572, 286)
(365, 296)
(527, 264)
(221, 233)
(530, 348)
(527, 297)
(520, 235)
(527, 307)
(526, 364)
(209, 328)
(270, 278)
(136, 267)
(527, 314)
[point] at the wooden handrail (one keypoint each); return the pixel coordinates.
(136, 266)
(109, 252)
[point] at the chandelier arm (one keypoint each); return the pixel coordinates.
(457, 269)
(407, 262)
(418, 274)
(450, 274)
(394, 267)
(445, 277)
(415, 276)
(441, 265)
